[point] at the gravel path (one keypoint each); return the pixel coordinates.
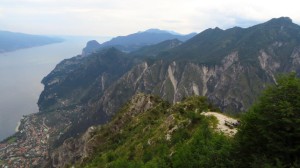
(221, 125)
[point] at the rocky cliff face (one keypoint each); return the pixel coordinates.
(232, 84)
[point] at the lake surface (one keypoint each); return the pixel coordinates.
(21, 73)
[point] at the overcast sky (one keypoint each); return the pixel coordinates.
(122, 17)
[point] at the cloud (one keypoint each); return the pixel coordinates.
(1, 13)
(120, 17)
(172, 21)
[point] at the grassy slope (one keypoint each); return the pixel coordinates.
(163, 136)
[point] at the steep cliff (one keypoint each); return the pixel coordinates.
(224, 84)
(77, 80)
(91, 47)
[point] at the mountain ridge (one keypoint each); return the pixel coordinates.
(210, 45)
(137, 40)
(160, 122)
(11, 41)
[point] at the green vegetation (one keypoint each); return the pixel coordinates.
(12, 140)
(270, 131)
(162, 136)
(179, 136)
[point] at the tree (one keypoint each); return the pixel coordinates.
(270, 131)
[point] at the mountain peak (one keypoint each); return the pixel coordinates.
(93, 42)
(154, 30)
(217, 28)
(91, 47)
(280, 20)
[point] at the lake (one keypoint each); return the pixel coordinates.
(21, 73)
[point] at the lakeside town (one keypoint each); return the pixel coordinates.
(28, 147)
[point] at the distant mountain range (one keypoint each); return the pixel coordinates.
(134, 41)
(10, 41)
(230, 67)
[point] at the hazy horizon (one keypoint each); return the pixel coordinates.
(115, 17)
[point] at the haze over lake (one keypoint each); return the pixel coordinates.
(21, 73)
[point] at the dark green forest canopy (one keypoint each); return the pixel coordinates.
(270, 130)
